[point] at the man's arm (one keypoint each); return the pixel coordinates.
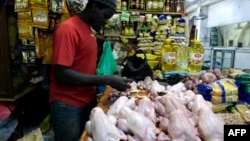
(67, 76)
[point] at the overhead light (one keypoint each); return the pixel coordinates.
(201, 16)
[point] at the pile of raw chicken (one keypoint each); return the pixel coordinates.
(171, 113)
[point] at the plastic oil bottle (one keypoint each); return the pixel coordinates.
(196, 52)
(168, 56)
(182, 58)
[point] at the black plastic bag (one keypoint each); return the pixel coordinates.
(135, 67)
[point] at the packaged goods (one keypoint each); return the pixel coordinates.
(196, 51)
(169, 56)
(220, 91)
(182, 58)
(244, 111)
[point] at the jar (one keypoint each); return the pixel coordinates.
(124, 5)
(149, 5)
(155, 5)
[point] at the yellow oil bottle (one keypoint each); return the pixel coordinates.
(196, 52)
(182, 58)
(168, 56)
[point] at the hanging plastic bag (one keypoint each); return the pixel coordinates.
(107, 63)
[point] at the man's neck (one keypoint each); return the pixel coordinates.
(84, 17)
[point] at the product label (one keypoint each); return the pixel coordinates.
(196, 58)
(170, 58)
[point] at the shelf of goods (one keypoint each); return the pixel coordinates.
(166, 109)
(145, 18)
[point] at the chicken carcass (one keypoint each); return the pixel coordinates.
(210, 125)
(171, 104)
(179, 127)
(117, 105)
(142, 127)
(101, 128)
(199, 102)
(146, 107)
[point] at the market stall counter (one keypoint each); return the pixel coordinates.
(152, 111)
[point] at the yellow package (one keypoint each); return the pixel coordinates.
(58, 6)
(21, 5)
(25, 29)
(216, 89)
(224, 99)
(24, 15)
(41, 2)
(40, 16)
(244, 111)
(224, 87)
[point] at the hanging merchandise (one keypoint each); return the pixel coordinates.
(196, 51)
(107, 63)
(21, 5)
(40, 16)
(168, 56)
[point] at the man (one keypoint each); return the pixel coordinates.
(73, 79)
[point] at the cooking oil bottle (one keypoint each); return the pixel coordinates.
(168, 56)
(182, 58)
(196, 51)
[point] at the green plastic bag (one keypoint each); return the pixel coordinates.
(107, 64)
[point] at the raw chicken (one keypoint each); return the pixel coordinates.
(146, 107)
(211, 126)
(156, 88)
(147, 82)
(142, 127)
(117, 105)
(199, 102)
(159, 107)
(122, 124)
(179, 127)
(163, 124)
(101, 128)
(163, 137)
(171, 104)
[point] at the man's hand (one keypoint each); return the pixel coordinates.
(119, 83)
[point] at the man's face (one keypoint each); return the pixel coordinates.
(100, 17)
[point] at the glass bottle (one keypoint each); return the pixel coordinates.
(160, 5)
(142, 5)
(137, 4)
(182, 5)
(155, 4)
(118, 4)
(132, 4)
(171, 6)
(178, 6)
(167, 6)
(123, 28)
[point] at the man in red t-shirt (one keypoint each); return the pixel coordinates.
(73, 79)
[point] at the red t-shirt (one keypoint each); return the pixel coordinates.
(75, 46)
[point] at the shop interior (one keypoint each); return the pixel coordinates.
(197, 50)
